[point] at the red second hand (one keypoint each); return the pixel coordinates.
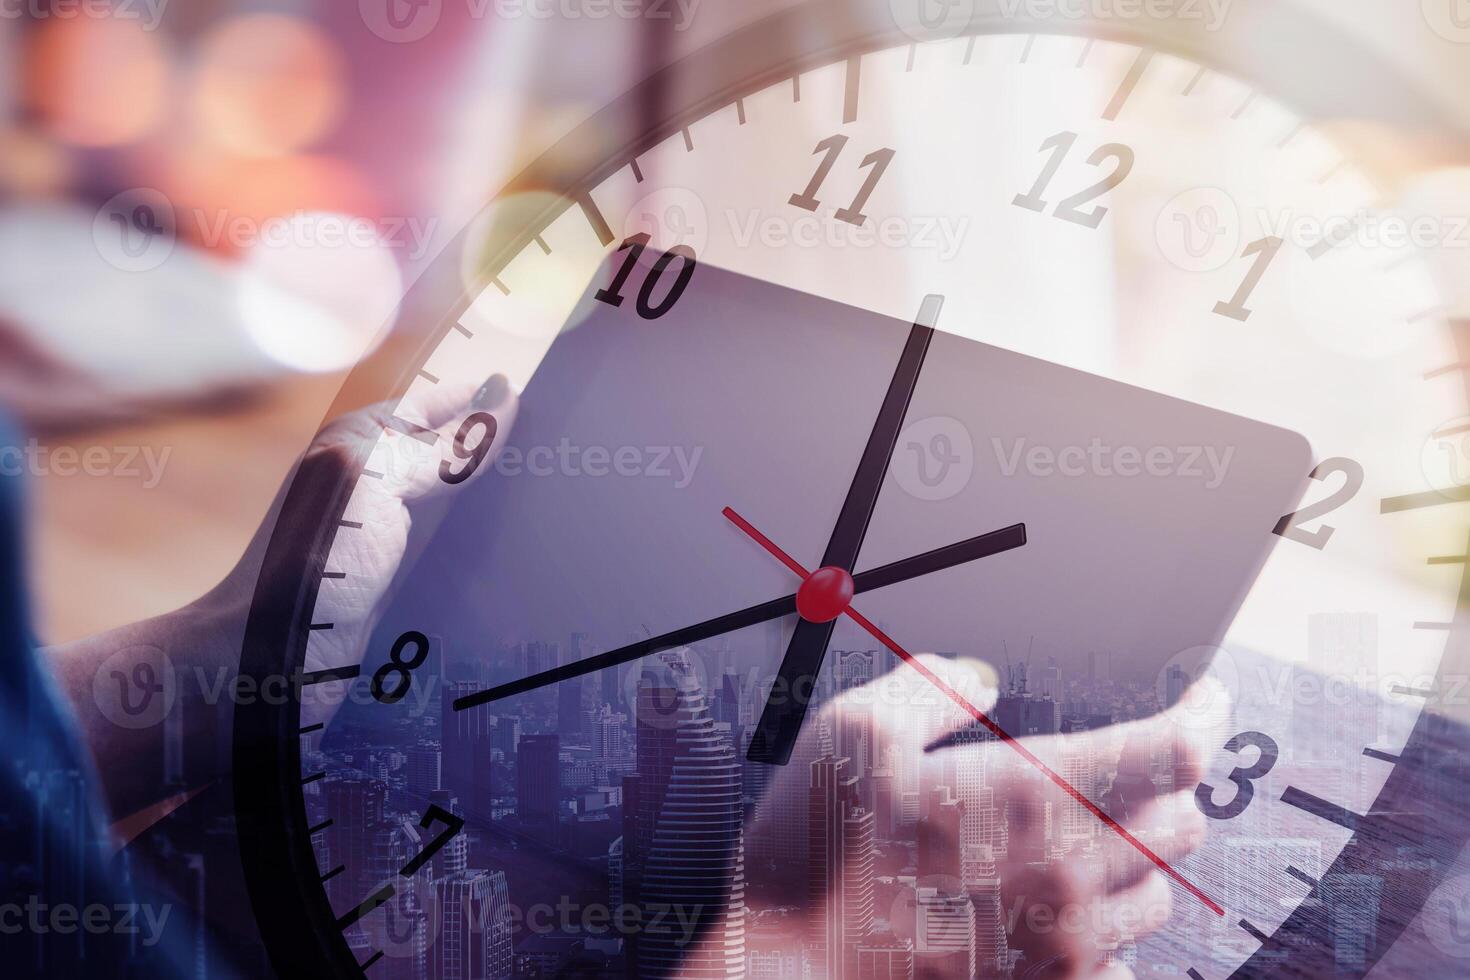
(980, 716)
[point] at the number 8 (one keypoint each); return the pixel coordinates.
(400, 667)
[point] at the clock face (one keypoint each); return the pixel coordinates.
(1180, 348)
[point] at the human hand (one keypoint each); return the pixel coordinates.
(204, 639)
(1069, 890)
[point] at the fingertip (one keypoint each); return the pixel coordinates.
(493, 392)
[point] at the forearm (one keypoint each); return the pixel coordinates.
(154, 700)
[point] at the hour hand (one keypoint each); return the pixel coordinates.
(775, 735)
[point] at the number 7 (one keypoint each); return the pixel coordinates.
(453, 824)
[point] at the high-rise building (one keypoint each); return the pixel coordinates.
(683, 831)
(400, 929)
(784, 848)
(938, 836)
(423, 768)
(841, 841)
(356, 808)
(454, 856)
(773, 952)
(885, 805)
(538, 781)
(992, 952)
(1028, 827)
(474, 938)
(885, 957)
(467, 739)
(944, 933)
(607, 734)
(569, 709)
(1079, 769)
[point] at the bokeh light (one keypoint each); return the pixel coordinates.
(267, 84)
(97, 82)
(314, 300)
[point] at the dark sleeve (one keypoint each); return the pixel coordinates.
(68, 906)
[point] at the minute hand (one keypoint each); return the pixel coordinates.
(937, 560)
(781, 719)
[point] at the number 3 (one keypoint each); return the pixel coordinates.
(1242, 776)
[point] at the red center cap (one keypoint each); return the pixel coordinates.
(824, 595)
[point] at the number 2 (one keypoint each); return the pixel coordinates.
(1290, 525)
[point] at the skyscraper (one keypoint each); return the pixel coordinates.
(356, 807)
(474, 938)
(885, 957)
(424, 768)
(569, 709)
(841, 841)
(992, 953)
(938, 836)
(465, 768)
(538, 781)
(683, 831)
(944, 932)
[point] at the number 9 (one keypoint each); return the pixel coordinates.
(475, 455)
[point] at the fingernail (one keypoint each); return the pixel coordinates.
(493, 392)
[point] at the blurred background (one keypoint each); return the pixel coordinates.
(208, 211)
